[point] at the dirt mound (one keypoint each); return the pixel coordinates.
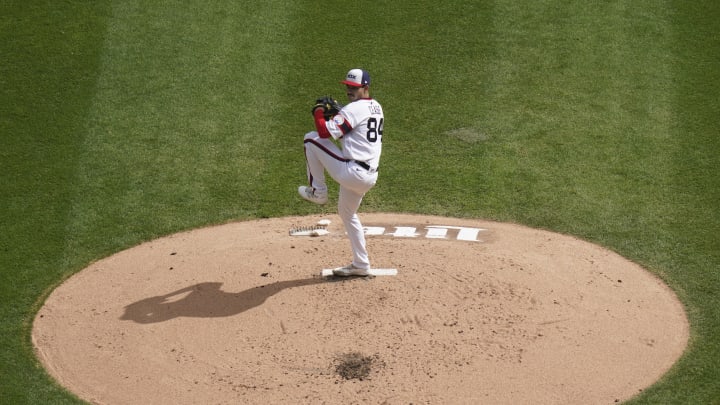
(479, 312)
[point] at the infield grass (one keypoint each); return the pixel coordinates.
(124, 121)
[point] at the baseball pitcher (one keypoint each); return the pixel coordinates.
(358, 128)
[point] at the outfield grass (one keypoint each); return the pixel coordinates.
(121, 122)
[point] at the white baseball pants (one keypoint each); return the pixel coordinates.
(323, 154)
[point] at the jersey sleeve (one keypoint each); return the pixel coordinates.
(321, 124)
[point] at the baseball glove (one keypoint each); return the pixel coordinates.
(329, 105)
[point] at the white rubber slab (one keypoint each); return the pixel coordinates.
(373, 272)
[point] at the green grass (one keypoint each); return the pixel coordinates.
(121, 122)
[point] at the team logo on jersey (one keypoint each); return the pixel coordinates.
(338, 119)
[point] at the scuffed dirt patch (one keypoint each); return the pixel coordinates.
(355, 365)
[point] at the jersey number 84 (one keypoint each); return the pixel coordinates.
(374, 128)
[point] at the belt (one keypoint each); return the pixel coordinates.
(364, 166)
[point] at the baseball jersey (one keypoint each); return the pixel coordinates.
(359, 128)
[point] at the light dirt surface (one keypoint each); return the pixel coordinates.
(238, 313)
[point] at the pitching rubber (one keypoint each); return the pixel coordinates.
(372, 272)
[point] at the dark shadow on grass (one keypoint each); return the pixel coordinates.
(207, 300)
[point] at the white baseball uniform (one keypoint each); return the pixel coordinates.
(358, 128)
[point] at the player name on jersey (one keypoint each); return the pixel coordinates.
(430, 232)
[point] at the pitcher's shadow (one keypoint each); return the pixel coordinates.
(207, 300)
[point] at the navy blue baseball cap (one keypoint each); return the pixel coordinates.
(357, 78)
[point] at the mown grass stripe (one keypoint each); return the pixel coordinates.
(50, 57)
(179, 121)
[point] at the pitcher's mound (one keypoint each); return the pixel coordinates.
(479, 312)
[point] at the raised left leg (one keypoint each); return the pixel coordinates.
(320, 155)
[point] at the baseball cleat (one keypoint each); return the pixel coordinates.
(350, 270)
(312, 195)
